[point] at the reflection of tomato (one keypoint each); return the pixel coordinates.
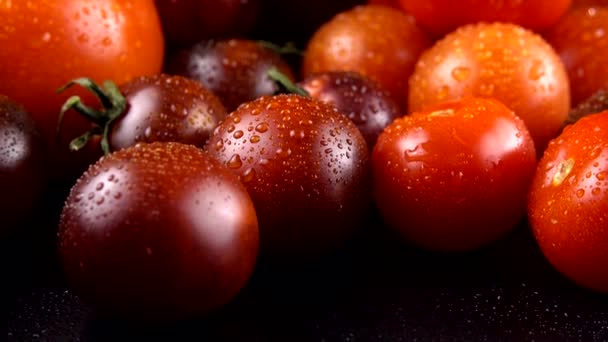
(568, 202)
(454, 177)
(443, 16)
(503, 61)
(47, 43)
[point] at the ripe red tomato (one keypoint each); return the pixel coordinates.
(568, 202)
(581, 39)
(443, 16)
(379, 42)
(47, 43)
(158, 232)
(152, 108)
(305, 166)
(22, 154)
(502, 61)
(454, 177)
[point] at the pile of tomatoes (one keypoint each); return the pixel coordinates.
(193, 142)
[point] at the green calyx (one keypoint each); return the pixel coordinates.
(288, 49)
(284, 82)
(114, 105)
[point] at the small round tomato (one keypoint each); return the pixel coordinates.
(443, 16)
(186, 22)
(581, 40)
(158, 232)
(235, 70)
(363, 101)
(47, 43)
(454, 177)
(379, 42)
(305, 166)
(148, 109)
(502, 61)
(22, 154)
(568, 202)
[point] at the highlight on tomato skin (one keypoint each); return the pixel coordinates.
(498, 60)
(454, 177)
(568, 202)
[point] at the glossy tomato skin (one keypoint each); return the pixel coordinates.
(22, 164)
(186, 22)
(158, 232)
(363, 101)
(379, 42)
(235, 69)
(443, 16)
(54, 41)
(503, 61)
(166, 108)
(568, 202)
(454, 177)
(305, 166)
(580, 38)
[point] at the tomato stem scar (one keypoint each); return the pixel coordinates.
(563, 171)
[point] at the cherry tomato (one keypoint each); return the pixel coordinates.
(235, 70)
(364, 102)
(443, 16)
(586, 3)
(568, 202)
(186, 22)
(454, 177)
(580, 38)
(305, 166)
(22, 162)
(158, 232)
(378, 42)
(54, 41)
(151, 108)
(503, 61)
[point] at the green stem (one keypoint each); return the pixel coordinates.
(284, 81)
(288, 49)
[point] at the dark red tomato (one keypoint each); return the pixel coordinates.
(235, 70)
(305, 166)
(54, 41)
(186, 22)
(568, 202)
(22, 154)
(378, 42)
(581, 38)
(454, 177)
(443, 16)
(585, 3)
(156, 108)
(365, 103)
(502, 61)
(158, 232)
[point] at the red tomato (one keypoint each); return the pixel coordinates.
(568, 202)
(454, 177)
(443, 16)
(158, 232)
(47, 43)
(581, 40)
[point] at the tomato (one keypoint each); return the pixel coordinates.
(22, 161)
(503, 61)
(158, 232)
(54, 41)
(443, 16)
(585, 3)
(305, 166)
(364, 102)
(598, 102)
(579, 38)
(235, 70)
(152, 108)
(186, 22)
(378, 42)
(454, 177)
(568, 202)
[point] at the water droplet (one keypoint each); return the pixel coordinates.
(236, 119)
(248, 175)
(117, 195)
(238, 134)
(100, 200)
(580, 193)
(461, 73)
(148, 132)
(219, 145)
(263, 127)
(99, 186)
(91, 196)
(601, 175)
(328, 150)
(596, 191)
(254, 139)
(231, 128)
(235, 162)
(107, 41)
(537, 70)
